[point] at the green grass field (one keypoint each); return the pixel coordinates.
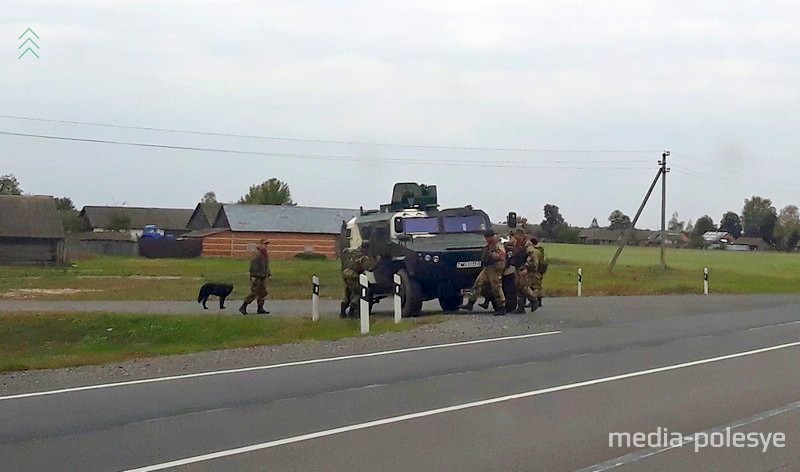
(70, 339)
(637, 273)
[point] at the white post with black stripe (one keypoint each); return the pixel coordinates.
(705, 281)
(398, 302)
(580, 282)
(315, 298)
(363, 308)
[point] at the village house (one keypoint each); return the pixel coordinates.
(290, 230)
(172, 221)
(30, 230)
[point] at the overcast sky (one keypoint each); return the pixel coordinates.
(714, 82)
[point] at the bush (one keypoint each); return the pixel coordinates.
(310, 256)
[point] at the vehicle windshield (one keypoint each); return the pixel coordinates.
(420, 225)
(464, 224)
(449, 224)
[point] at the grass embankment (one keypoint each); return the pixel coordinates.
(133, 278)
(637, 273)
(70, 339)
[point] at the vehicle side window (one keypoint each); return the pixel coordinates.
(366, 233)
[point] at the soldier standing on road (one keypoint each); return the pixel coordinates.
(493, 262)
(526, 271)
(259, 273)
(536, 279)
(355, 265)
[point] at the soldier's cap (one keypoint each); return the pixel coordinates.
(489, 232)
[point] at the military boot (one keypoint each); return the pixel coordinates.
(261, 310)
(540, 301)
(499, 310)
(534, 304)
(468, 306)
(520, 307)
(343, 310)
(243, 308)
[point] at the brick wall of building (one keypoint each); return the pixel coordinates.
(281, 245)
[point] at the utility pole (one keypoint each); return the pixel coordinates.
(661, 174)
(664, 170)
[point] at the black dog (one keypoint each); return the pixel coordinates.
(220, 290)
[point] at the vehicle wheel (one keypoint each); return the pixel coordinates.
(410, 294)
(451, 300)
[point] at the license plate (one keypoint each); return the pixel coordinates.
(468, 264)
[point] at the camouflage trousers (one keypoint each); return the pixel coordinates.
(352, 288)
(527, 286)
(258, 290)
(493, 278)
(536, 284)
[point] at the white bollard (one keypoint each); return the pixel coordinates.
(364, 304)
(705, 281)
(315, 298)
(398, 303)
(580, 282)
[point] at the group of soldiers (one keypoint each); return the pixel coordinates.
(521, 263)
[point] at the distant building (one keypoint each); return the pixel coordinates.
(753, 244)
(673, 239)
(109, 243)
(717, 239)
(605, 236)
(30, 230)
(169, 220)
(290, 230)
(204, 215)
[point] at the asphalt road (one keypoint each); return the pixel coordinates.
(687, 364)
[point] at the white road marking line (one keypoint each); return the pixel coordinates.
(643, 454)
(273, 366)
(774, 326)
(438, 411)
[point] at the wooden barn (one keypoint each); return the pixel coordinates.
(290, 230)
(30, 231)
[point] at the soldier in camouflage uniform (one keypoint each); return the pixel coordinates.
(259, 273)
(354, 263)
(536, 278)
(526, 271)
(493, 262)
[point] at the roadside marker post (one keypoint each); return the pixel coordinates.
(580, 282)
(705, 281)
(315, 298)
(398, 303)
(363, 308)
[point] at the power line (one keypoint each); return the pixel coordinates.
(749, 177)
(443, 162)
(731, 183)
(328, 141)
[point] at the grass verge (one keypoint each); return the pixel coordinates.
(53, 340)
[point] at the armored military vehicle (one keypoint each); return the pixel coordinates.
(436, 252)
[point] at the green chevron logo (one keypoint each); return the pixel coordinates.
(29, 44)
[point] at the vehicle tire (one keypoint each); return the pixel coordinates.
(451, 300)
(410, 295)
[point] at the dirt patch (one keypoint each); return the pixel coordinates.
(23, 293)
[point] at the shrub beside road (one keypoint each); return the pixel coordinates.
(638, 273)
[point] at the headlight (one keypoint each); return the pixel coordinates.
(427, 257)
(435, 258)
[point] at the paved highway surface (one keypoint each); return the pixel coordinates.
(544, 402)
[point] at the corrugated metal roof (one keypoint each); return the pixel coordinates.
(285, 218)
(163, 218)
(30, 216)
